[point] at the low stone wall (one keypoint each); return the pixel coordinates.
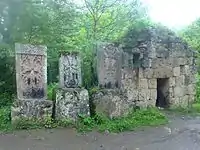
(40, 109)
(70, 102)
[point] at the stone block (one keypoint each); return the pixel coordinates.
(29, 109)
(191, 98)
(141, 75)
(152, 83)
(179, 91)
(185, 69)
(163, 72)
(153, 94)
(144, 94)
(132, 95)
(176, 71)
(111, 102)
(190, 89)
(148, 73)
(174, 101)
(184, 101)
(172, 81)
(190, 79)
(143, 83)
(171, 92)
(180, 80)
(70, 102)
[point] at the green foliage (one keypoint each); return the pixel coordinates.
(197, 100)
(6, 99)
(5, 119)
(50, 90)
(135, 119)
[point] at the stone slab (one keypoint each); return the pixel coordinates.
(112, 102)
(31, 109)
(71, 102)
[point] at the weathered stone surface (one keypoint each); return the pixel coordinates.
(70, 102)
(153, 94)
(31, 109)
(180, 80)
(179, 91)
(143, 83)
(190, 89)
(185, 69)
(176, 71)
(172, 81)
(113, 103)
(31, 71)
(109, 65)
(164, 72)
(152, 83)
(190, 79)
(70, 70)
(144, 95)
(148, 73)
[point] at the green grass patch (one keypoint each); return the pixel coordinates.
(135, 119)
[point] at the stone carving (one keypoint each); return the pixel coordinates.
(31, 71)
(72, 102)
(32, 75)
(70, 70)
(109, 65)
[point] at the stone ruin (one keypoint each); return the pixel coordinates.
(152, 67)
(31, 77)
(71, 98)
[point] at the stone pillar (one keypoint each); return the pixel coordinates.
(71, 99)
(31, 78)
(109, 59)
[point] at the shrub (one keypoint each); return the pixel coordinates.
(5, 119)
(6, 99)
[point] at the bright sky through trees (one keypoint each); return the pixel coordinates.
(172, 13)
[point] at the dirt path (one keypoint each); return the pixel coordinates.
(180, 134)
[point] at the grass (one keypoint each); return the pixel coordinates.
(136, 119)
(193, 110)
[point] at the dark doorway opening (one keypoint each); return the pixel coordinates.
(162, 93)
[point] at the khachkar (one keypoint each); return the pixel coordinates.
(71, 99)
(31, 78)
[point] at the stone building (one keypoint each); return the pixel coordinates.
(31, 77)
(71, 98)
(151, 67)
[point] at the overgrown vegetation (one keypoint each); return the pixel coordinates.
(135, 119)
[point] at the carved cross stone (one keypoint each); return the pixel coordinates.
(70, 70)
(31, 68)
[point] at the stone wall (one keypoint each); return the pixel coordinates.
(157, 69)
(166, 56)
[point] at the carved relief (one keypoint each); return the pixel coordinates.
(32, 76)
(71, 71)
(109, 66)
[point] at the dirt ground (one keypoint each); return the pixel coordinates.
(182, 133)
